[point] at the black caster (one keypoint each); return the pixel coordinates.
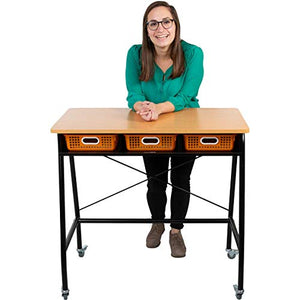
(238, 293)
(81, 252)
(65, 294)
(232, 253)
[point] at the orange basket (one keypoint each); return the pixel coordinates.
(209, 142)
(150, 142)
(91, 142)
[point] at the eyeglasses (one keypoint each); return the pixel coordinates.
(166, 24)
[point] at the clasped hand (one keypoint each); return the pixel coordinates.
(148, 111)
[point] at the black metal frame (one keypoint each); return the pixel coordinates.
(238, 234)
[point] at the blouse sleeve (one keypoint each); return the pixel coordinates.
(194, 75)
(133, 83)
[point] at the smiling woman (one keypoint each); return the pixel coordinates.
(164, 75)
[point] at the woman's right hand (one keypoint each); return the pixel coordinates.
(147, 110)
(141, 107)
(150, 115)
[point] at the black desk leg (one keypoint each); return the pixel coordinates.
(240, 287)
(63, 248)
(231, 253)
(80, 249)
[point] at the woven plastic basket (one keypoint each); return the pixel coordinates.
(91, 142)
(209, 142)
(150, 142)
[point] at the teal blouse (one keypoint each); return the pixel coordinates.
(181, 91)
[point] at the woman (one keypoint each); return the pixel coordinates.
(163, 75)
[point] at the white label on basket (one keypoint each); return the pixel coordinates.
(207, 140)
(90, 140)
(150, 140)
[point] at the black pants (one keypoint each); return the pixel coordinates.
(156, 194)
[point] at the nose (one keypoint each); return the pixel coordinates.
(160, 27)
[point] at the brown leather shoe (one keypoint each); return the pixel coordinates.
(178, 248)
(153, 237)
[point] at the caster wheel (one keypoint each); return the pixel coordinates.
(81, 252)
(231, 254)
(65, 294)
(238, 293)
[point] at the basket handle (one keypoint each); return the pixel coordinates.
(90, 140)
(150, 140)
(211, 140)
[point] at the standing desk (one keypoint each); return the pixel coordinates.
(122, 121)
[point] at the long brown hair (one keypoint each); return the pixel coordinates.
(148, 50)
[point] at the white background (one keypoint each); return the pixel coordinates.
(60, 54)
